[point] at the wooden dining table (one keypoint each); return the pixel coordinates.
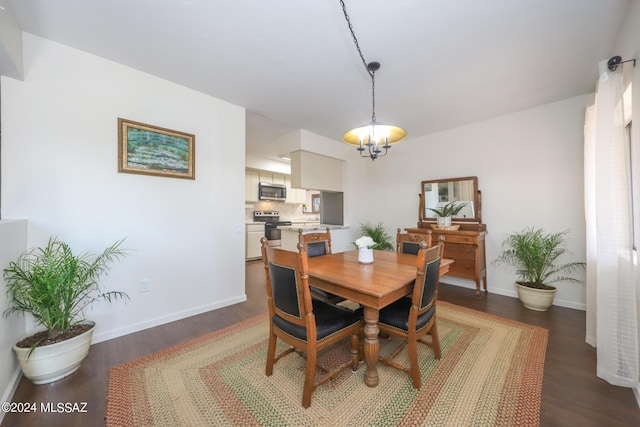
(390, 277)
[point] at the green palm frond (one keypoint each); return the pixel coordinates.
(450, 209)
(535, 257)
(379, 235)
(55, 286)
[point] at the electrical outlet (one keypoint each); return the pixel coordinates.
(145, 285)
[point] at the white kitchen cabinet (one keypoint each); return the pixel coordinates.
(255, 232)
(290, 196)
(294, 195)
(278, 178)
(265, 176)
(316, 172)
(272, 178)
(251, 180)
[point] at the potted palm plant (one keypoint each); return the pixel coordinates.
(536, 257)
(444, 213)
(54, 285)
(379, 235)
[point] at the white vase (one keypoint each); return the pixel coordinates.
(56, 361)
(444, 220)
(365, 255)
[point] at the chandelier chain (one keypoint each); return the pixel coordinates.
(355, 40)
(370, 71)
(373, 96)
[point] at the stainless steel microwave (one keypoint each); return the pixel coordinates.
(269, 191)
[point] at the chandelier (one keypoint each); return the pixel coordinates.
(371, 139)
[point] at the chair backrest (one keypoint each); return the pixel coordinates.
(316, 244)
(287, 283)
(425, 290)
(409, 243)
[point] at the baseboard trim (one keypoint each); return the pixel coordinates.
(469, 284)
(7, 396)
(161, 320)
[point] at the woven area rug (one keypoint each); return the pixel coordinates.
(490, 374)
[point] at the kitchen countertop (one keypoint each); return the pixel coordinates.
(293, 221)
(307, 227)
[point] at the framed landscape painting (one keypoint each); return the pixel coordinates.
(152, 150)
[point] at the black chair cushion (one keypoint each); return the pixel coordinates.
(284, 288)
(432, 270)
(316, 249)
(396, 315)
(330, 319)
(411, 248)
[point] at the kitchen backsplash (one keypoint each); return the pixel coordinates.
(288, 212)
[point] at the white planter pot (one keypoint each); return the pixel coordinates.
(444, 220)
(535, 299)
(365, 256)
(56, 361)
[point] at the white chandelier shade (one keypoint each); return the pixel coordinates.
(374, 133)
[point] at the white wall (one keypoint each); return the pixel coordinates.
(10, 43)
(13, 241)
(260, 163)
(59, 170)
(530, 171)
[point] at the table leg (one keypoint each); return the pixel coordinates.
(371, 345)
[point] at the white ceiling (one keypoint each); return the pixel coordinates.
(445, 63)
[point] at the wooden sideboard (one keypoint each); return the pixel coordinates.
(466, 248)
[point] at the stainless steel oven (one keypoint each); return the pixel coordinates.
(273, 235)
(271, 221)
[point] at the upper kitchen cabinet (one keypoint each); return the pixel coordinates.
(270, 177)
(277, 178)
(251, 180)
(316, 172)
(294, 195)
(254, 177)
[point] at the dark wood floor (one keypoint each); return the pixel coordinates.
(572, 395)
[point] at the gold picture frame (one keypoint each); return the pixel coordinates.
(151, 150)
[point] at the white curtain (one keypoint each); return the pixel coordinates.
(612, 277)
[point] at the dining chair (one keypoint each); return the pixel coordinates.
(409, 243)
(411, 318)
(318, 244)
(306, 324)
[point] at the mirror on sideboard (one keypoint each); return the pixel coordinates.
(437, 193)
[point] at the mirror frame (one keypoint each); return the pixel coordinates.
(477, 219)
(315, 203)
